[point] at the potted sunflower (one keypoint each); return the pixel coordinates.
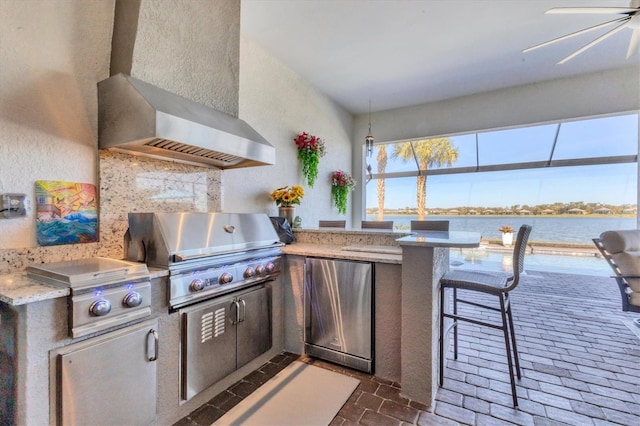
(286, 199)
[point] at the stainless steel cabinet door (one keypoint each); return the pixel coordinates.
(254, 327)
(110, 379)
(338, 308)
(209, 344)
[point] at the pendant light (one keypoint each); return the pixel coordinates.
(369, 139)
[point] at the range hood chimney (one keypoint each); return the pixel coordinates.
(141, 119)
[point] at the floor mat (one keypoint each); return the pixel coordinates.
(301, 395)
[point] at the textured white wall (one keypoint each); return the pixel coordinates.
(279, 104)
(52, 53)
(190, 48)
(588, 95)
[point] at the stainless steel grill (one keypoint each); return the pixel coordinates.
(207, 254)
(220, 265)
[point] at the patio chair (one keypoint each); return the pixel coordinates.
(621, 250)
(332, 223)
(429, 225)
(493, 283)
(377, 224)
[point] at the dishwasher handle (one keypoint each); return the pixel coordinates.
(153, 334)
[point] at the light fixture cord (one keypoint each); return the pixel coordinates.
(369, 117)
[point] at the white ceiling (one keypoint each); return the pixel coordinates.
(396, 53)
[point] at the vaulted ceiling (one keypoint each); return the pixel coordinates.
(396, 53)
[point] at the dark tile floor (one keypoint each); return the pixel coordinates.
(580, 361)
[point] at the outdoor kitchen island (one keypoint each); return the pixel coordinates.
(408, 268)
(34, 323)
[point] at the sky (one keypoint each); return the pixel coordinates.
(614, 184)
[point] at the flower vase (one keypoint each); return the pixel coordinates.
(507, 239)
(288, 213)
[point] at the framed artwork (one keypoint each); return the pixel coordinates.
(66, 213)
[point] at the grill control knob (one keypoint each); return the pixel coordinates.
(132, 299)
(225, 278)
(196, 285)
(260, 269)
(271, 267)
(100, 308)
(249, 272)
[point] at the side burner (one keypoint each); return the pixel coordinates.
(104, 292)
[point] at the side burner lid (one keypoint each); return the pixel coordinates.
(87, 272)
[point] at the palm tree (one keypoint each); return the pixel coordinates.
(428, 152)
(382, 165)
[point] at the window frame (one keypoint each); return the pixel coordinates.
(550, 162)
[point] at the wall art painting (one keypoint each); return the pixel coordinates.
(66, 213)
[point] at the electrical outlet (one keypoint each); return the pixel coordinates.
(13, 205)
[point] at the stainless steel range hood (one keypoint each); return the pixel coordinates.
(142, 119)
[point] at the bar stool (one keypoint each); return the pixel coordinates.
(429, 225)
(494, 283)
(377, 224)
(332, 223)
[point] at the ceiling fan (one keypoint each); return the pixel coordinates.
(630, 19)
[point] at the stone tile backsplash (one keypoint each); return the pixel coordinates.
(129, 184)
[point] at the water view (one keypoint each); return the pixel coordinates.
(557, 229)
(545, 229)
(482, 258)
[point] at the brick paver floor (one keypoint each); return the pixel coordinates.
(580, 362)
(580, 365)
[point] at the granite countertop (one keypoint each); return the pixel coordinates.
(18, 289)
(352, 231)
(366, 253)
(441, 239)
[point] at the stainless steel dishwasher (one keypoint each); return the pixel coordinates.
(338, 301)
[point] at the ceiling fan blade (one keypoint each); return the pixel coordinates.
(592, 10)
(634, 43)
(564, 37)
(594, 42)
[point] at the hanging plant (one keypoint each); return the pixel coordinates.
(341, 184)
(310, 150)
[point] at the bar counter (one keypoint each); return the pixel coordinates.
(424, 259)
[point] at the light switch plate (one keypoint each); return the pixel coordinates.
(13, 205)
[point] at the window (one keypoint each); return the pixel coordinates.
(540, 171)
